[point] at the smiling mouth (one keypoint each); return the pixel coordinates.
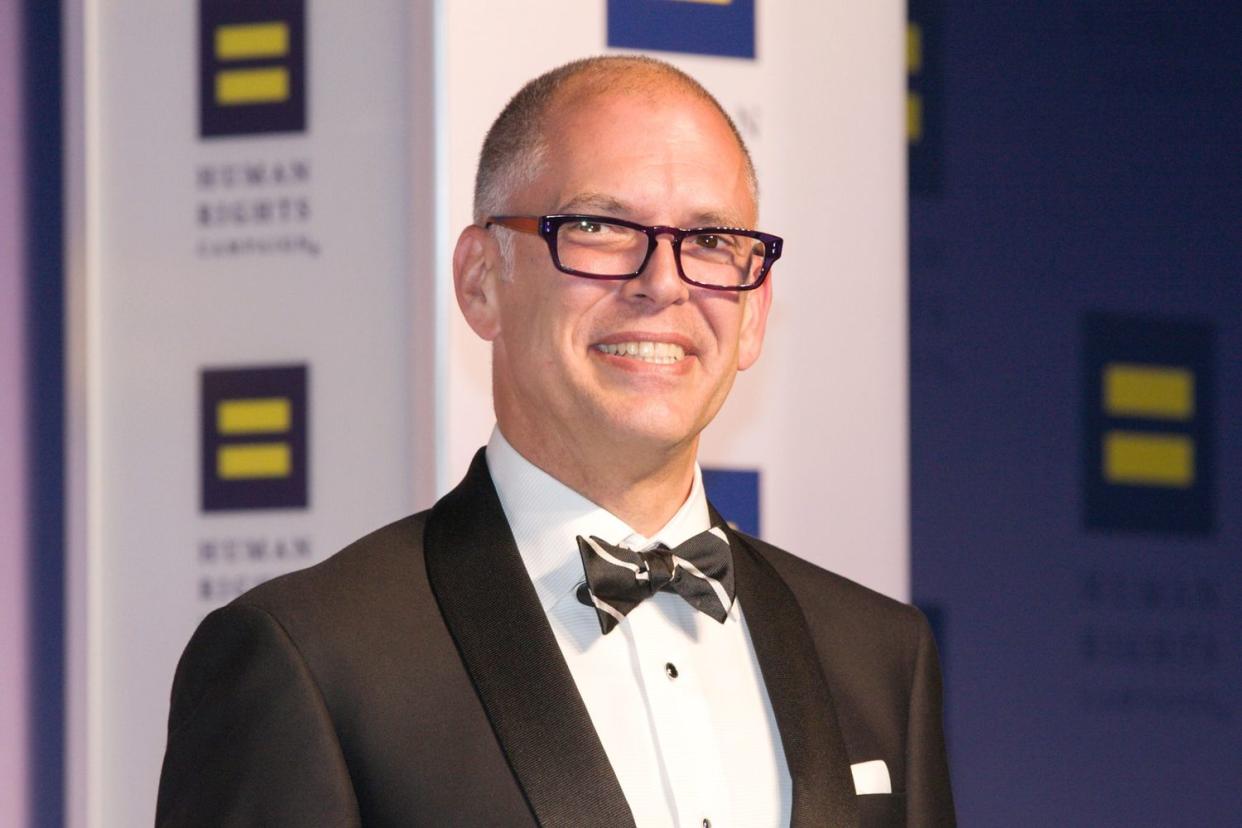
(657, 353)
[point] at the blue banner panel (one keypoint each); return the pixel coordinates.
(43, 207)
(1149, 445)
(252, 67)
(735, 493)
(700, 27)
(254, 429)
(1075, 403)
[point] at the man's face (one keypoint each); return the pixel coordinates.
(562, 375)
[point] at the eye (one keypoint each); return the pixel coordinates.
(722, 242)
(588, 227)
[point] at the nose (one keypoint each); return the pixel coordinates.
(659, 282)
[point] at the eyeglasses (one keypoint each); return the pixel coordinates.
(598, 247)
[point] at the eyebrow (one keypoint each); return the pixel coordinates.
(595, 201)
(714, 219)
(612, 206)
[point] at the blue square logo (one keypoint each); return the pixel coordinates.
(700, 27)
(925, 95)
(251, 67)
(1149, 449)
(735, 494)
(254, 427)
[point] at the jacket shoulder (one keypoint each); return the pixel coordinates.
(852, 612)
(383, 561)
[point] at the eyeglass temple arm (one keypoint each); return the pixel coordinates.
(523, 224)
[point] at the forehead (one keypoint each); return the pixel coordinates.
(661, 154)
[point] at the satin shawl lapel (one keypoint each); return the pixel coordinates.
(823, 788)
(502, 633)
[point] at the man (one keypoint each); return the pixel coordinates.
(573, 636)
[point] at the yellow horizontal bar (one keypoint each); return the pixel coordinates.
(1133, 458)
(252, 86)
(914, 117)
(248, 41)
(253, 460)
(1156, 392)
(710, 2)
(914, 48)
(260, 415)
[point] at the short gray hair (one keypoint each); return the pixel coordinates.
(514, 149)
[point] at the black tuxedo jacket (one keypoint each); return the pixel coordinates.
(412, 679)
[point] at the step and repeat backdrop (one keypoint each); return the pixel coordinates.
(265, 360)
(246, 266)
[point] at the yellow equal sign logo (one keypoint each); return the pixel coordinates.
(1160, 393)
(924, 50)
(255, 460)
(251, 417)
(266, 415)
(1148, 435)
(246, 42)
(1137, 458)
(914, 66)
(1156, 392)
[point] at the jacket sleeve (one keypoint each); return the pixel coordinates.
(250, 740)
(929, 797)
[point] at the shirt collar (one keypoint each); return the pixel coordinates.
(546, 518)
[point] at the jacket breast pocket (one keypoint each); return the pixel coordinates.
(882, 810)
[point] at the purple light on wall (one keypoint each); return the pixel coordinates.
(13, 638)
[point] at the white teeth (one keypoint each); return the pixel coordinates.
(660, 353)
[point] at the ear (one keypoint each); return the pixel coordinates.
(476, 268)
(755, 304)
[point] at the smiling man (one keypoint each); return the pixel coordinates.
(574, 636)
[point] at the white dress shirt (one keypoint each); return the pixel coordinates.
(676, 697)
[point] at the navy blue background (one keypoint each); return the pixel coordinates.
(45, 306)
(1090, 156)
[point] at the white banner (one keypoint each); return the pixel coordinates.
(823, 416)
(246, 367)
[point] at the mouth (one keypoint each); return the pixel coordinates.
(653, 352)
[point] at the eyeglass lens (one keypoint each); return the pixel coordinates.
(602, 249)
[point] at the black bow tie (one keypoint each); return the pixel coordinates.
(619, 579)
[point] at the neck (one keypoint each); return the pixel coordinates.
(644, 488)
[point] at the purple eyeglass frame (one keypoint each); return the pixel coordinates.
(546, 226)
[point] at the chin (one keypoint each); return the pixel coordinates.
(654, 432)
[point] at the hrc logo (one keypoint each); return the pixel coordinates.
(735, 493)
(923, 95)
(254, 427)
(914, 98)
(252, 67)
(1149, 448)
(1151, 393)
(701, 27)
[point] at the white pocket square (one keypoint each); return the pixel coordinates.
(871, 777)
